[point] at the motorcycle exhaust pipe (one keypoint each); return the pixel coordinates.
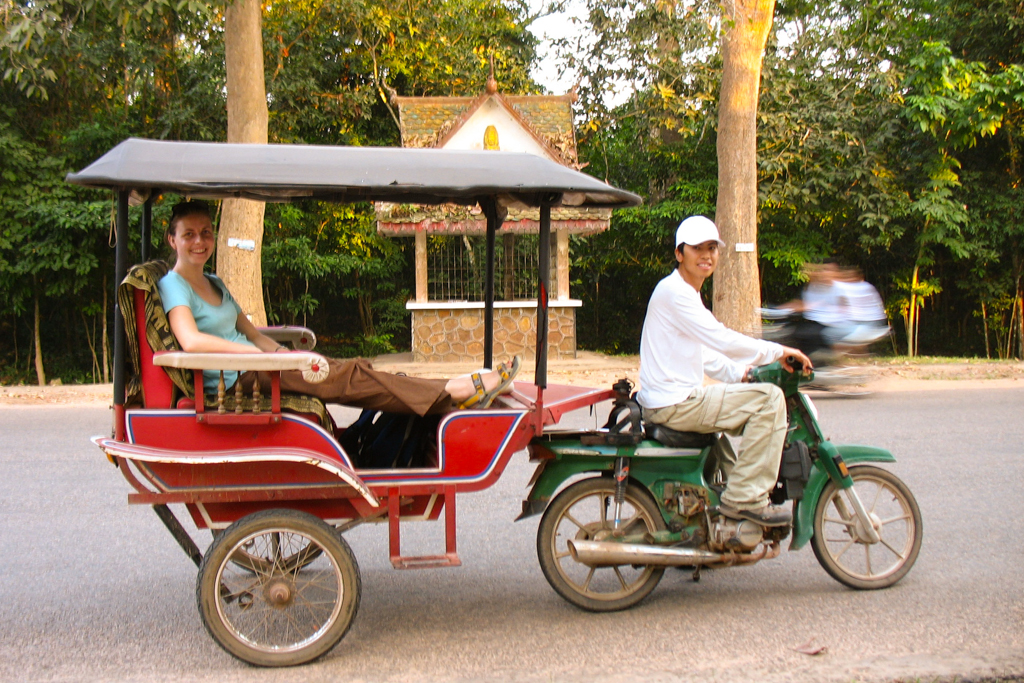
(604, 554)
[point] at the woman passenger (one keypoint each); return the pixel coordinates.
(206, 319)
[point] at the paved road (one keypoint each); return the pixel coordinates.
(93, 589)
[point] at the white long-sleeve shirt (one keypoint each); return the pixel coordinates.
(682, 341)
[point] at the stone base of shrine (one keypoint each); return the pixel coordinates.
(454, 331)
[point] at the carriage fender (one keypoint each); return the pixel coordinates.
(803, 513)
(129, 451)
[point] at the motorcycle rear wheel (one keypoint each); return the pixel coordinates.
(841, 546)
(584, 511)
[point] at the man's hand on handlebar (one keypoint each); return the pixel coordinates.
(795, 360)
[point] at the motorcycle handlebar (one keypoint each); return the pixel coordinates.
(797, 366)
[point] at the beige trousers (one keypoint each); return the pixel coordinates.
(755, 411)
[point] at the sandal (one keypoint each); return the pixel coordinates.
(478, 384)
(507, 375)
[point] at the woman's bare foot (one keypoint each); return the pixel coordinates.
(461, 388)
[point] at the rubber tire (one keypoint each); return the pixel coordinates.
(332, 548)
(639, 498)
(912, 545)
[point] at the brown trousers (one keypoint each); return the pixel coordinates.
(355, 383)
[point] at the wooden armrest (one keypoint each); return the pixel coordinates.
(301, 338)
(303, 361)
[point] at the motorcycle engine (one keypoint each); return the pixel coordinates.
(729, 534)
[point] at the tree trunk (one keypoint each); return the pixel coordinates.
(737, 281)
(984, 324)
(40, 373)
(912, 315)
(238, 262)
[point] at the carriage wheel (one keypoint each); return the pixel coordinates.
(584, 511)
(278, 588)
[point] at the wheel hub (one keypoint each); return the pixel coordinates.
(860, 533)
(279, 593)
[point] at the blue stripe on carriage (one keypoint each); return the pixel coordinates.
(390, 477)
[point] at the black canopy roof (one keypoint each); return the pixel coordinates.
(282, 173)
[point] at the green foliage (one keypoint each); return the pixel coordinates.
(79, 76)
(344, 257)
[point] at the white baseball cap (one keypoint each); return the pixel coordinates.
(697, 230)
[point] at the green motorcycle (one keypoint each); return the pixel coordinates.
(604, 541)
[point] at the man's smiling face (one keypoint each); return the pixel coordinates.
(697, 263)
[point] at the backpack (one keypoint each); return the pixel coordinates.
(379, 440)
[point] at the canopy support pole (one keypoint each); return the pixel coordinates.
(120, 342)
(495, 217)
(146, 229)
(543, 284)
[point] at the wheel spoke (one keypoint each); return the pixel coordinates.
(901, 518)
(622, 581)
(844, 522)
(849, 544)
(878, 492)
(568, 516)
(586, 582)
(562, 556)
(894, 551)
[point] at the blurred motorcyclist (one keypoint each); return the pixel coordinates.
(820, 308)
(838, 311)
(866, 321)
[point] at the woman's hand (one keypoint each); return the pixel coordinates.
(262, 341)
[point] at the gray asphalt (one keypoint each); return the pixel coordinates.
(96, 590)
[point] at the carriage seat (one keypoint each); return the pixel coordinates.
(148, 331)
(670, 437)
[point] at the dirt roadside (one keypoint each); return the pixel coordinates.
(598, 370)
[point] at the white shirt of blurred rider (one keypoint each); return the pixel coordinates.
(822, 299)
(863, 304)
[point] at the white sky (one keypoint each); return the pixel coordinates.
(555, 26)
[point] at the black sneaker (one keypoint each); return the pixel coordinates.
(769, 515)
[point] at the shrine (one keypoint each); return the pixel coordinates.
(447, 311)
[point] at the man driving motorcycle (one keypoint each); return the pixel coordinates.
(681, 342)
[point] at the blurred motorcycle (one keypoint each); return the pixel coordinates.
(833, 371)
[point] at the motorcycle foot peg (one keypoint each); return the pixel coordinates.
(696, 574)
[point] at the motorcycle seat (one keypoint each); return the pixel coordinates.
(670, 437)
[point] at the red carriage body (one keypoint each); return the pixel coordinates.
(277, 487)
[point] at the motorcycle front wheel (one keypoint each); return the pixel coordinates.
(841, 544)
(585, 511)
